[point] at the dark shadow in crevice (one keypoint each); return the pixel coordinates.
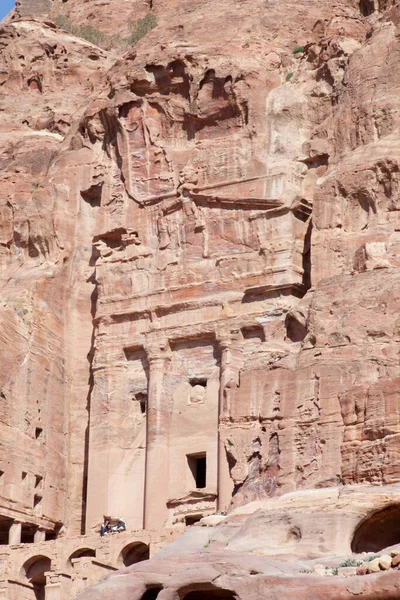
(307, 257)
(152, 592)
(93, 195)
(295, 330)
(90, 358)
(366, 7)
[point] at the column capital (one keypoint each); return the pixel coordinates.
(227, 337)
(158, 350)
(14, 533)
(224, 338)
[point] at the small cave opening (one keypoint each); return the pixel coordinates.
(366, 7)
(93, 195)
(295, 331)
(378, 531)
(161, 76)
(35, 84)
(152, 593)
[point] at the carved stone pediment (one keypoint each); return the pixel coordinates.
(192, 498)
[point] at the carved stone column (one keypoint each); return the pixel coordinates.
(156, 475)
(40, 536)
(54, 588)
(228, 378)
(14, 534)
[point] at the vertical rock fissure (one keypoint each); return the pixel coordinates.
(90, 358)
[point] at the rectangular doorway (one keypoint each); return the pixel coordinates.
(198, 468)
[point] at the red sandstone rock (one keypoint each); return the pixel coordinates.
(385, 562)
(240, 577)
(163, 219)
(396, 560)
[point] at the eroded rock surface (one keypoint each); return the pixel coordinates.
(199, 251)
(209, 575)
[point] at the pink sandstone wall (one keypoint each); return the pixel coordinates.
(198, 256)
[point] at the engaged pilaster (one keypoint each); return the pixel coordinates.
(229, 344)
(40, 536)
(14, 534)
(156, 480)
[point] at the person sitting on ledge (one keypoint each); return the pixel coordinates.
(105, 528)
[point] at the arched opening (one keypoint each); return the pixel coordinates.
(34, 570)
(210, 594)
(152, 592)
(134, 553)
(79, 554)
(378, 531)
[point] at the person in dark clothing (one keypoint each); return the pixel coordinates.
(105, 528)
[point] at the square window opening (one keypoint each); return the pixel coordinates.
(198, 467)
(38, 432)
(38, 480)
(36, 500)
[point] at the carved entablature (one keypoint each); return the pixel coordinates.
(194, 504)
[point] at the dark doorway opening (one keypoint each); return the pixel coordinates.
(198, 466)
(380, 530)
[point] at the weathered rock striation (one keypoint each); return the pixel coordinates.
(199, 240)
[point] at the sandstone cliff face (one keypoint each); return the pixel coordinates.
(199, 257)
(46, 81)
